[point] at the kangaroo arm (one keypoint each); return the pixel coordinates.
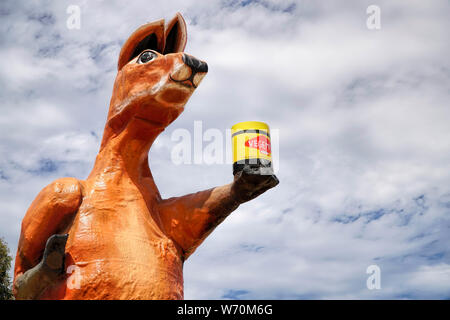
(48, 214)
(189, 219)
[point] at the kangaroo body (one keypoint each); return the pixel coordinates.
(118, 243)
(112, 236)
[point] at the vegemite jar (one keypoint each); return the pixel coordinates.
(251, 147)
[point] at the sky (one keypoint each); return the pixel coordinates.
(362, 116)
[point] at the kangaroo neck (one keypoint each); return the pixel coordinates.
(125, 155)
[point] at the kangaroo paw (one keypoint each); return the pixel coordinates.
(54, 253)
(34, 281)
(251, 182)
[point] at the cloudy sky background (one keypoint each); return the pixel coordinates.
(363, 118)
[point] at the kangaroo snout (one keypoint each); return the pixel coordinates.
(191, 72)
(195, 64)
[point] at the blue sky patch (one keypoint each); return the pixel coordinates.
(235, 294)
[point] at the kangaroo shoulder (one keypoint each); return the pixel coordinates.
(64, 192)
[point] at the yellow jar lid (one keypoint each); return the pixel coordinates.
(248, 125)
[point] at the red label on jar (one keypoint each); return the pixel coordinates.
(262, 143)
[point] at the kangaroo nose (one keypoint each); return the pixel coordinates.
(195, 64)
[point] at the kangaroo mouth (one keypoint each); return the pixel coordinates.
(192, 81)
(189, 82)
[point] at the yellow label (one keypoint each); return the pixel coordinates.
(251, 140)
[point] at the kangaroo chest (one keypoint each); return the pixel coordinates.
(116, 237)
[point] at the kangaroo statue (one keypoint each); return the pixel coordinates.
(114, 231)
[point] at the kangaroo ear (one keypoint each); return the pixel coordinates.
(148, 36)
(175, 35)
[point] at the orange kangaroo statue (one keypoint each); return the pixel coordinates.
(113, 231)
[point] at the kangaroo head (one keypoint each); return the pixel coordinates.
(155, 77)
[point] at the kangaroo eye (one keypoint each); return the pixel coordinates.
(146, 57)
